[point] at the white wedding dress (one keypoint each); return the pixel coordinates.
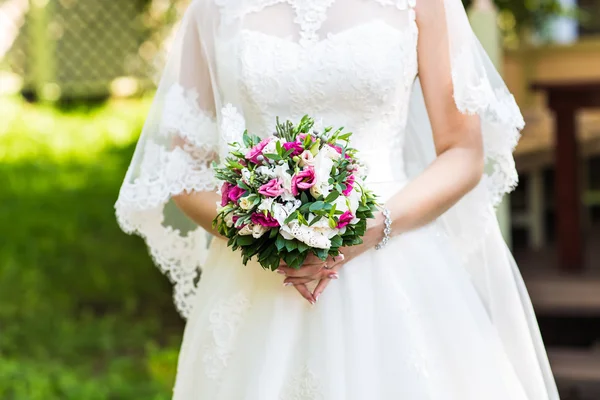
(424, 318)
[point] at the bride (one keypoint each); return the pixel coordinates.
(434, 308)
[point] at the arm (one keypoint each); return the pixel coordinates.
(457, 136)
(200, 207)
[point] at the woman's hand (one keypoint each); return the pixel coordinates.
(316, 269)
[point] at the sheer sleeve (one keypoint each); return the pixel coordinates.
(174, 154)
(471, 225)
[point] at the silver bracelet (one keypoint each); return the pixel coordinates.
(387, 231)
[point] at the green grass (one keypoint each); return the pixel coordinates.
(83, 312)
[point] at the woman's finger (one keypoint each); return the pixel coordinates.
(322, 275)
(323, 283)
(304, 292)
(302, 272)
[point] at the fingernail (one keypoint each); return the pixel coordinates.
(317, 298)
(340, 257)
(287, 284)
(312, 302)
(334, 276)
(280, 271)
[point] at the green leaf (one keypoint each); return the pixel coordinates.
(279, 148)
(245, 240)
(291, 217)
(317, 205)
(315, 220)
(336, 241)
(321, 253)
(302, 247)
(280, 242)
(332, 223)
(332, 197)
(291, 245)
(273, 156)
(303, 198)
(273, 233)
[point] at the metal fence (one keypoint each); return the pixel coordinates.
(83, 48)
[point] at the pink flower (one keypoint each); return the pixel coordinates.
(345, 219)
(264, 220)
(349, 185)
(297, 147)
(338, 149)
(253, 154)
(225, 189)
(303, 180)
(235, 193)
(303, 136)
(273, 188)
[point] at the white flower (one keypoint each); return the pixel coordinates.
(246, 203)
(266, 204)
(342, 204)
(329, 152)
(306, 158)
(247, 230)
(322, 166)
(258, 231)
(229, 220)
(266, 171)
(281, 172)
(246, 174)
(282, 211)
(271, 147)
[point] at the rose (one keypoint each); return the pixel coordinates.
(246, 230)
(322, 167)
(235, 193)
(225, 189)
(295, 146)
(266, 204)
(345, 219)
(303, 180)
(349, 185)
(264, 220)
(247, 202)
(256, 151)
(273, 188)
(230, 220)
(258, 231)
(306, 158)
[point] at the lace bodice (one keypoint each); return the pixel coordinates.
(358, 76)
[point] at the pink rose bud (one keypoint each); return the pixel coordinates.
(264, 220)
(254, 153)
(297, 147)
(345, 219)
(235, 193)
(349, 185)
(225, 193)
(273, 188)
(306, 158)
(303, 180)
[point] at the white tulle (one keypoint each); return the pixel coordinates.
(441, 313)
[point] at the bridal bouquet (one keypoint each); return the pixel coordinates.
(294, 193)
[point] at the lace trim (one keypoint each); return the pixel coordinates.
(224, 322)
(303, 386)
(163, 173)
(310, 14)
(499, 110)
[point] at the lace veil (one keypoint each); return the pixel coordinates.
(198, 109)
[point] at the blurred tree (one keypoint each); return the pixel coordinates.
(521, 18)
